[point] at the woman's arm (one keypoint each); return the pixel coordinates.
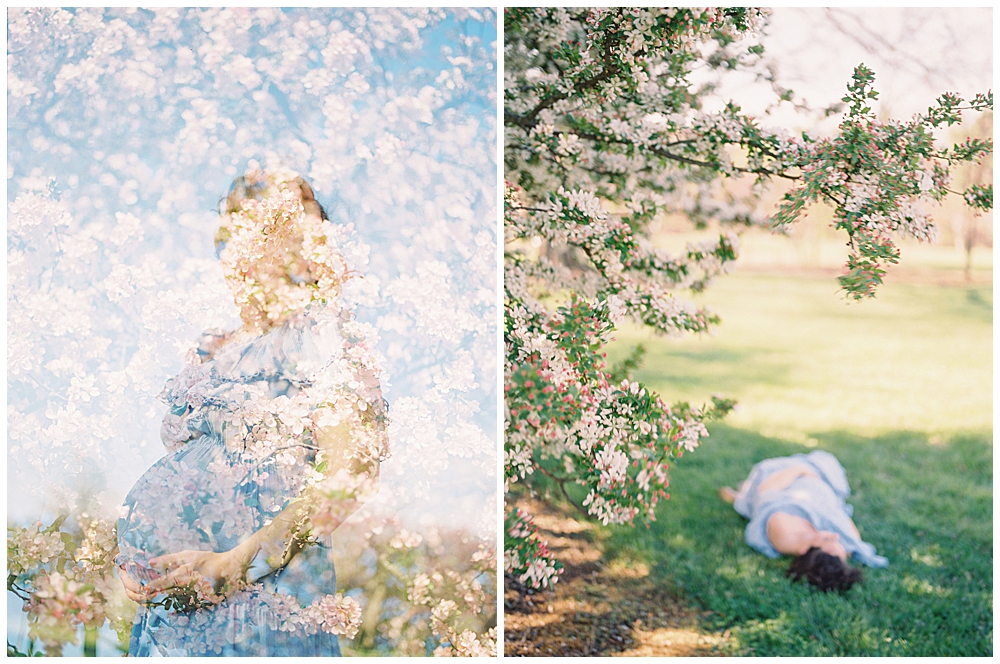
(173, 429)
(274, 545)
(783, 478)
(283, 538)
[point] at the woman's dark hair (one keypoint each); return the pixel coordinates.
(255, 185)
(824, 571)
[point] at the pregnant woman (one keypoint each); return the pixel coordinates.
(796, 506)
(274, 436)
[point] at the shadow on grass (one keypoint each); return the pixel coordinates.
(595, 609)
(981, 299)
(924, 503)
(706, 369)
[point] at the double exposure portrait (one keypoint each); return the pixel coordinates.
(252, 368)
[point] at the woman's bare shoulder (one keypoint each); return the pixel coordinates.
(789, 533)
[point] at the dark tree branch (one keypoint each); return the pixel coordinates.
(562, 486)
(611, 69)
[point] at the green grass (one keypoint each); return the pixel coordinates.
(798, 357)
(900, 390)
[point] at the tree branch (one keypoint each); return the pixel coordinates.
(528, 121)
(562, 486)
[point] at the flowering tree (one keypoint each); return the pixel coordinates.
(125, 128)
(603, 132)
(63, 572)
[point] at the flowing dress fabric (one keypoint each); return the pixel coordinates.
(216, 487)
(819, 500)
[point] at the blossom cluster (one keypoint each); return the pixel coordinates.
(563, 416)
(32, 547)
(452, 599)
(599, 100)
(881, 178)
(525, 556)
(438, 582)
(333, 614)
(445, 581)
(255, 607)
(63, 573)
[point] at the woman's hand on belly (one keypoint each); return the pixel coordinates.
(783, 478)
(133, 589)
(215, 574)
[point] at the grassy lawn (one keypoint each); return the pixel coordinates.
(900, 390)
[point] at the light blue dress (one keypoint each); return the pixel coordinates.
(819, 500)
(208, 493)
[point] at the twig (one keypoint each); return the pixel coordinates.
(562, 486)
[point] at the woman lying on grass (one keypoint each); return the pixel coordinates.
(796, 506)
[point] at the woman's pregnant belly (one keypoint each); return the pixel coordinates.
(193, 499)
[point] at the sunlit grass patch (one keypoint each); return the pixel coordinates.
(799, 358)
